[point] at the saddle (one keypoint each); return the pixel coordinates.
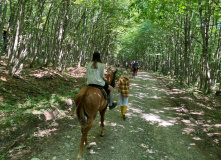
(105, 93)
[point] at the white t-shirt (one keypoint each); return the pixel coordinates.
(94, 76)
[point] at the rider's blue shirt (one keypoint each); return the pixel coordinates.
(135, 64)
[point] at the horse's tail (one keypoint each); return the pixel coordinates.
(81, 110)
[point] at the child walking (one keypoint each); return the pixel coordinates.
(123, 91)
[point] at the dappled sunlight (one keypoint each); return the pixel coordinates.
(156, 111)
(1, 99)
(153, 119)
(197, 138)
(217, 141)
(149, 150)
(142, 95)
(139, 103)
(137, 130)
(136, 110)
(3, 79)
(192, 144)
(154, 89)
(217, 125)
(42, 133)
(197, 113)
(41, 74)
(187, 98)
(187, 122)
(213, 134)
(93, 144)
(201, 105)
(145, 95)
(175, 91)
(135, 85)
(188, 130)
(112, 124)
(154, 97)
(208, 129)
(93, 152)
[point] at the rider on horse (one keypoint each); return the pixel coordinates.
(95, 76)
(134, 67)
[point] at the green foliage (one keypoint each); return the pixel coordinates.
(4, 155)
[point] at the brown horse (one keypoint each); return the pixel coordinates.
(137, 69)
(134, 71)
(88, 102)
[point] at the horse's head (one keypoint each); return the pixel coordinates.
(110, 77)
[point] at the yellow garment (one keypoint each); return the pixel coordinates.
(123, 110)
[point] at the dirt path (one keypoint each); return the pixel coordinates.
(153, 130)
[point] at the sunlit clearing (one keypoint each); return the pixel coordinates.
(156, 119)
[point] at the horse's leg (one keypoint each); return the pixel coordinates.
(83, 136)
(90, 123)
(84, 132)
(102, 113)
(134, 73)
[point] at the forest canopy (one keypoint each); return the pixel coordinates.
(180, 39)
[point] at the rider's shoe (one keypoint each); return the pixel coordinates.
(113, 106)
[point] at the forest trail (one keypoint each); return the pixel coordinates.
(156, 128)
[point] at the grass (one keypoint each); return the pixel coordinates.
(22, 96)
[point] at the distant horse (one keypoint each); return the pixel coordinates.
(88, 102)
(137, 69)
(134, 71)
